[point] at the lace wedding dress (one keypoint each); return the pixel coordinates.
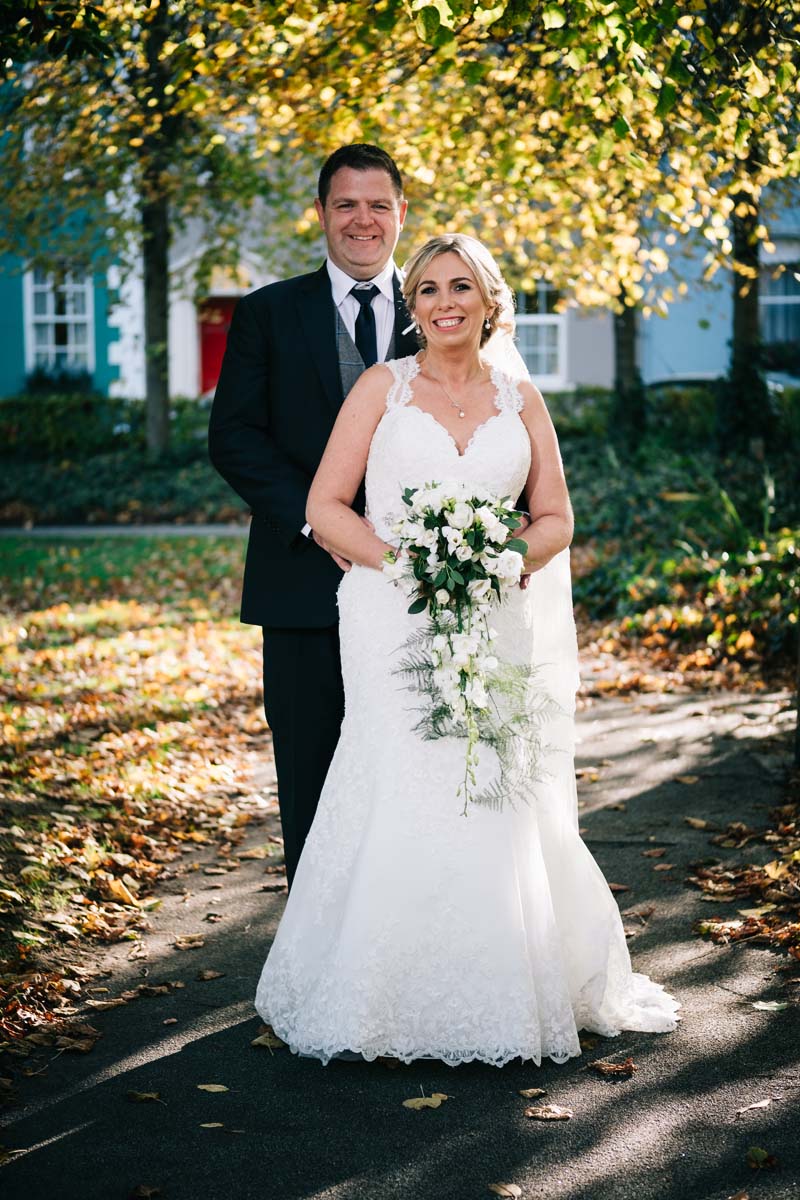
(412, 931)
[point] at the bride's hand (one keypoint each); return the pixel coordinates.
(525, 523)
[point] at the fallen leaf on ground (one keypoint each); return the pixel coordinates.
(207, 974)
(587, 1043)
(189, 941)
(655, 853)
(619, 887)
(761, 1160)
(699, 823)
(419, 1102)
(664, 866)
(144, 1097)
(505, 1189)
(212, 1125)
(770, 1005)
(212, 1087)
(532, 1093)
(268, 1039)
(170, 1021)
(603, 1067)
(757, 1104)
(687, 779)
(100, 1005)
(548, 1112)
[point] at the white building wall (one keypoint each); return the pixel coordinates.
(127, 317)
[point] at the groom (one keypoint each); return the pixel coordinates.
(294, 351)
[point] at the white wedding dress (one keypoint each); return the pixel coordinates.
(412, 931)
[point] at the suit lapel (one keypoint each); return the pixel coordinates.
(318, 320)
(405, 343)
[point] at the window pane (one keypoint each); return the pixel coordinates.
(40, 303)
(42, 359)
(60, 332)
(41, 335)
(40, 277)
(61, 358)
(78, 359)
(77, 303)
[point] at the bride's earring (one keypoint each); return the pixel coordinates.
(487, 324)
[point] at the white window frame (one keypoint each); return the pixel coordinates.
(75, 282)
(555, 381)
(765, 302)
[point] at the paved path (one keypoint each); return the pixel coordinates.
(293, 1130)
(55, 532)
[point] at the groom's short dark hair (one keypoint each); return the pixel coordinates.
(360, 156)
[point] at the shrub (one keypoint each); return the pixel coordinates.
(52, 427)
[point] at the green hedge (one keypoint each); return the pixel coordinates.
(47, 427)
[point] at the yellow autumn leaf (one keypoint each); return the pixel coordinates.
(419, 1102)
(212, 1087)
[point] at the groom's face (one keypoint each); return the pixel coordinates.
(361, 218)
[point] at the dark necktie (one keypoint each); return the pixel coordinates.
(366, 334)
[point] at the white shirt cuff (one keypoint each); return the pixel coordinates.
(306, 530)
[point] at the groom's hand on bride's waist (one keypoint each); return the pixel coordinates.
(343, 564)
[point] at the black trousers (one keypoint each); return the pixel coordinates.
(304, 705)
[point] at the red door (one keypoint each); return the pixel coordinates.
(214, 316)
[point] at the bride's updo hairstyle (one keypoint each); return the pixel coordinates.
(493, 288)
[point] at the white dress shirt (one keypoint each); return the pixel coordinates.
(382, 304)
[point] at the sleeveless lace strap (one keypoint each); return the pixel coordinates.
(404, 370)
(508, 398)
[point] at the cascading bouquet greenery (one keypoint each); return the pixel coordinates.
(458, 552)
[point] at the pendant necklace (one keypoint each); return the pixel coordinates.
(459, 409)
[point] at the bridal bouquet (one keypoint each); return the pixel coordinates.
(458, 553)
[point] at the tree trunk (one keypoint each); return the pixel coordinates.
(628, 410)
(745, 419)
(155, 235)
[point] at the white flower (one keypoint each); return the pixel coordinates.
(508, 565)
(453, 537)
(461, 516)
(427, 538)
(439, 641)
(396, 569)
(463, 552)
(476, 693)
(479, 589)
(489, 520)
(442, 596)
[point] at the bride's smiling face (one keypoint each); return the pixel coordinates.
(448, 305)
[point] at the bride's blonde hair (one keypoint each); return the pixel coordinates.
(493, 288)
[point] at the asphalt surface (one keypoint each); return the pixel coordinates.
(290, 1128)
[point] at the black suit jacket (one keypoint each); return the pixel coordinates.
(278, 396)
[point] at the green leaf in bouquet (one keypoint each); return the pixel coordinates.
(419, 567)
(419, 605)
(517, 544)
(408, 495)
(455, 575)
(441, 578)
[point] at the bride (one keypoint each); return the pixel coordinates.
(413, 931)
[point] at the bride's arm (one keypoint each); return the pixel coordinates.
(552, 523)
(328, 508)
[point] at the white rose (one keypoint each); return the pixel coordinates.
(461, 516)
(442, 596)
(463, 552)
(453, 537)
(479, 589)
(508, 565)
(427, 538)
